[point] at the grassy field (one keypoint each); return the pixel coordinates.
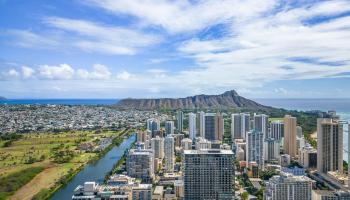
(43, 150)
(276, 119)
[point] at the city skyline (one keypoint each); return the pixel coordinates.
(120, 49)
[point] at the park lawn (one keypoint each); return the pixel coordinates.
(39, 146)
(46, 179)
(275, 119)
(12, 182)
(2, 142)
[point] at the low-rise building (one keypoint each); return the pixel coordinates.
(288, 186)
(186, 144)
(285, 160)
(142, 192)
(330, 195)
(308, 156)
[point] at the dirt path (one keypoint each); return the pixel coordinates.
(45, 179)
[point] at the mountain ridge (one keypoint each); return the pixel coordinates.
(227, 100)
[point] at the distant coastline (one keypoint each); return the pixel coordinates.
(58, 101)
(324, 104)
(300, 104)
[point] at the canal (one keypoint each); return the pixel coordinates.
(95, 171)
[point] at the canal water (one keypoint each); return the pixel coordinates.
(96, 171)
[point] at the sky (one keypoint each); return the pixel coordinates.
(174, 48)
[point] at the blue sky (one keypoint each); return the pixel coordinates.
(123, 48)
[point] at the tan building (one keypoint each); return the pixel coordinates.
(141, 136)
(179, 189)
(219, 127)
(308, 157)
(329, 145)
(290, 132)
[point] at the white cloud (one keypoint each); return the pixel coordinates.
(177, 16)
(280, 91)
(99, 72)
(27, 72)
(124, 75)
(11, 74)
(157, 60)
(262, 50)
(263, 41)
(70, 34)
(28, 39)
(61, 72)
(102, 38)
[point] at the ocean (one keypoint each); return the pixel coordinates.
(59, 101)
(341, 106)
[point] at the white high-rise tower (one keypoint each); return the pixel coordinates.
(192, 129)
(169, 151)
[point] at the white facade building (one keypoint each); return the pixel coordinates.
(169, 150)
(192, 129)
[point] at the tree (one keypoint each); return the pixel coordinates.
(245, 195)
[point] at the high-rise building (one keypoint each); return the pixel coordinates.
(308, 157)
(209, 126)
(180, 121)
(276, 130)
(287, 186)
(239, 147)
(153, 125)
(192, 129)
(178, 138)
(169, 127)
(213, 126)
(261, 124)
(202, 124)
(169, 151)
(149, 124)
(208, 174)
(158, 147)
(329, 145)
(240, 154)
(239, 125)
(219, 127)
(139, 164)
(272, 149)
(300, 143)
(148, 139)
(255, 147)
(141, 136)
(290, 133)
(299, 132)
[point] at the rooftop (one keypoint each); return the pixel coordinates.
(209, 151)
